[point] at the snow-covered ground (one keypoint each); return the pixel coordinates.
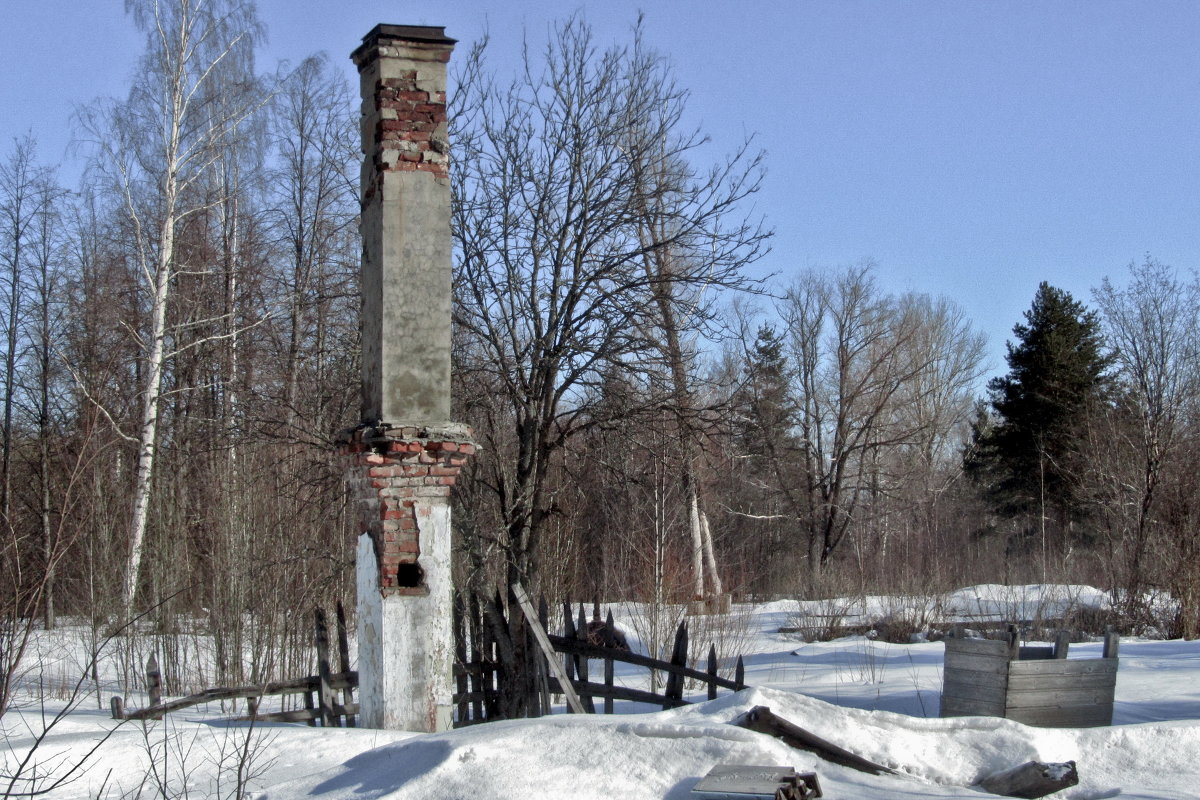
(876, 699)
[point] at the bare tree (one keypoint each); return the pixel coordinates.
(157, 148)
(555, 218)
(871, 376)
(20, 199)
(1153, 325)
(315, 205)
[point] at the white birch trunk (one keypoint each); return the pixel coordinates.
(148, 435)
(696, 527)
(710, 556)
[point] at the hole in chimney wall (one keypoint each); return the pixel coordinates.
(410, 576)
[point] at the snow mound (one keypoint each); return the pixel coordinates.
(663, 755)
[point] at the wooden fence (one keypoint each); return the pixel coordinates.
(481, 679)
(328, 696)
(1033, 685)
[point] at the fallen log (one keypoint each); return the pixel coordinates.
(1032, 779)
(761, 720)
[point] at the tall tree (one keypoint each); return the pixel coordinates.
(554, 217)
(160, 148)
(23, 195)
(1058, 371)
(1153, 326)
(869, 377)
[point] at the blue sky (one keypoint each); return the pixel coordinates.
(970, 149)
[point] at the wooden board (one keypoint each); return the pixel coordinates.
(1033, 683)
(974, 677)
(977, 647)
(976, 663)
(951, 687)
(1058, 698)
(970, 707)
(1081, 667)
(1089, 717)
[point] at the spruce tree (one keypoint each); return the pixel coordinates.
(1057, 371)
(767, 412)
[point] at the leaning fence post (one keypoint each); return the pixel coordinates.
(325, 696)
(154, 683)
(547, 648)
(674, 691)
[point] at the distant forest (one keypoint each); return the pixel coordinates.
(180, 349)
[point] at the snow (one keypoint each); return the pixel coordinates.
(875, 699)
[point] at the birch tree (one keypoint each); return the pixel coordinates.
(156, 149)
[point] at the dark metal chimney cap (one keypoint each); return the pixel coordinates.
(417, 33)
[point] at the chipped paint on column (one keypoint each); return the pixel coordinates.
(408, 687)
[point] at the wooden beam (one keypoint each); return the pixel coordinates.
(540, 635)
(761, 720)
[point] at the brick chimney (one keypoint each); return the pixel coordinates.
(406, 453)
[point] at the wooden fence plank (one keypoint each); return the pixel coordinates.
(154, 683)
(608, 664)
(615, 692)
(325, 691)
(973, 677)
(712, 671)
(569, 635)
(1112, 644)
(581, 663)
(574, 646)
(461, 678)
(344, 662)
(305, 686)
(543, 676)
(674, 691)
(1062, 643)
(970, 707)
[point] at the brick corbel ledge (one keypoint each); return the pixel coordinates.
(394, 476)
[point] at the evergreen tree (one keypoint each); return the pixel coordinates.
(767, 411)
(1057, 371)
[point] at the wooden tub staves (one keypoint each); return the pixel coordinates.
(1034, 685)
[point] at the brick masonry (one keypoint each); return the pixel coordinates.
(393, 482)
(404, 111)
